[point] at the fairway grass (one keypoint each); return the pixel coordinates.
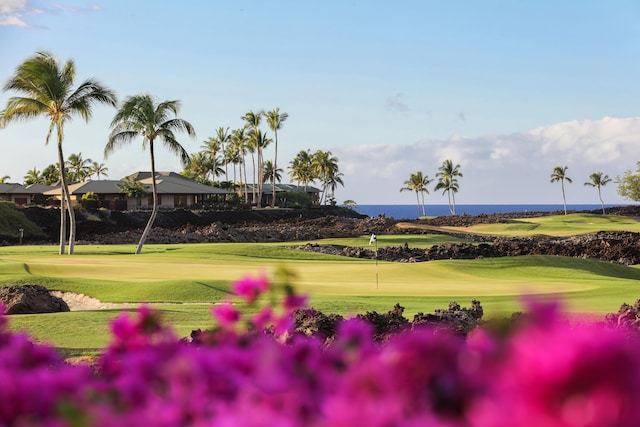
(552, 225)
(168, 276)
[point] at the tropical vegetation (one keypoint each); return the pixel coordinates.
(141, 116)
(559, 174)
(47, 89)
(418, 183)
(447, 175)
(597, 181)
(629, 184)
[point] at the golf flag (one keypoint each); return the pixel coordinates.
(372, 239)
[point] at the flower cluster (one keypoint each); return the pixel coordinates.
(252, 370)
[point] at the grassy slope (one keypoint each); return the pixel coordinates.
(203, 273)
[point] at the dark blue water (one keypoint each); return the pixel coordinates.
(411, 211)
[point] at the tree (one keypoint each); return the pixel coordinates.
(324, 166)
(239, 144)
(98, 169)
(33, 176)
(47, 90)
(4, 179)
(253, 120)
(448, 182)
(300, 169)
(560, 174)
(141, 116)
(598, 180)
(78, 168)
(270, 173)
(629, 184)
(51, 175)
(418, 183)
(133, 189)
(275, 119)
(215, 145)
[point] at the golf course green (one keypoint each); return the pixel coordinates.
(183, 280)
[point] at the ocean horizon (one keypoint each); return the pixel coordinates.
(411, 211)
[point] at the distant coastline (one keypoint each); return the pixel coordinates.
(411, 211)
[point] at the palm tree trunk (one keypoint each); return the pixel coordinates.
(453, 201)
(601, 201)
(424, 211)
(63, 222)
(154, 211)
(451, 211)
(275, 169)
(564, 199)
(418, 201)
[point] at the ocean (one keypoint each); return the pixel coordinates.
(411, 211)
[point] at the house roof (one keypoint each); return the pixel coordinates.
(40, 188)
(15, 188)
(166, 183)
(267, 188)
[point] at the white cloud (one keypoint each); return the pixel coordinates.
(506, 169)
(15, 13)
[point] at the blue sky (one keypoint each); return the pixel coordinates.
(508, 90)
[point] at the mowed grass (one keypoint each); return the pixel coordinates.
(168, 276)
(554, 225)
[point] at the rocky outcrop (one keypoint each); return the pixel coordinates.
(30, 299)
(617, 247)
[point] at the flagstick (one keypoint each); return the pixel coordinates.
(374, 239)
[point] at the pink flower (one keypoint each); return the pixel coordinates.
(226, 314)
(250, 288)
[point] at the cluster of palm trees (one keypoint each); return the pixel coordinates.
(597, 180)
(447, 175)
(307, 167)
(231, 148)
(78, 170)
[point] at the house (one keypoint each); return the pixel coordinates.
(21, 195)
(267, 192)
(174, 190)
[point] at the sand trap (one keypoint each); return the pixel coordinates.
(79, 302)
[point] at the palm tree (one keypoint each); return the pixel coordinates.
(47, 90)
(252, 122)
(33, 176)
(418, 183)
(78, 168)
(271, 173)
(598, 180)
(240, 143)
(98, 169)
(217, 144)
(325, 168)
(51, 175)
(199, 167)
(141, 116)
(560, 174)
(275, 119)
(300, 169)
(4, 179)
(448, 182)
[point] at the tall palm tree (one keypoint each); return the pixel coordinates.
(275, 119)
(141, 116)
(253, 120)
(47, 90)
(78, 168)
(448, 174)
(560, 174)
(240, 143)
(418, 182)
(33, 176)
(199, 167)
(598, 180)
(98, 169)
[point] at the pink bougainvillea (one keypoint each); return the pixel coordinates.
(251, 369)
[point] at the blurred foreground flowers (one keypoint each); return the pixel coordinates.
(254, 370)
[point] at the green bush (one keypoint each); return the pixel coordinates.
(12, 220)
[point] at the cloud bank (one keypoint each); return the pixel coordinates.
(19, 13)
(499, 169)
